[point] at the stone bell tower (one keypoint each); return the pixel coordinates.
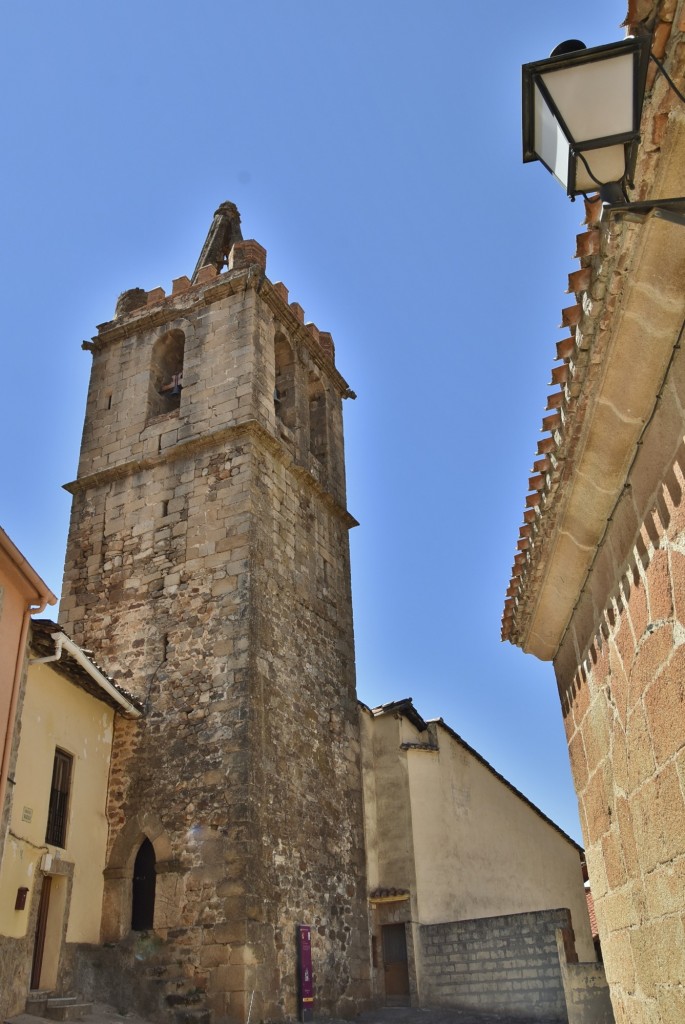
(208, 567)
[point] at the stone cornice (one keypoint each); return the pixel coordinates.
(249, 430)
(172, 307)
(176, 306)
(300, 333)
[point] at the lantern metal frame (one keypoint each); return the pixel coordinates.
(635, 46)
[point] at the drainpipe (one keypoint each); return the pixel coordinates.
(62, 641)
(51, 657)
(31, 609)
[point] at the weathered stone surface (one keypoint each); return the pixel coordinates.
(208, 565)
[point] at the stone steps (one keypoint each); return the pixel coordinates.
(43, 1004)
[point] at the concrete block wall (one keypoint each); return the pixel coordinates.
(507, 964)
(585, 987)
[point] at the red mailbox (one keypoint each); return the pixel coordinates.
(304, 951)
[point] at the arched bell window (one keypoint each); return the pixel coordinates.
(166, 374)
(318, 434)
(144, 880)
(284, 390)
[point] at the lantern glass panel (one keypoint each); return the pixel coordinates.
(607, 164)
(595, 99)
(551, 145)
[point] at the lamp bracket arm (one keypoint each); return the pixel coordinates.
(668, 78)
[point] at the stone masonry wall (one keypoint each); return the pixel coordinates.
(621, 676)
(507, 965)
(208, 567)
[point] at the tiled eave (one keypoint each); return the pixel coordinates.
(629, 320)
(629, 308)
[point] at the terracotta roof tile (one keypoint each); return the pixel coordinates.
(591, 913)
(579, 281)
(587, 243)
(389, 894)
(565, 347)
(42, 643)
(546, 445)
(552, 422)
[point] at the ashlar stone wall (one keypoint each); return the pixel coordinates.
(621, 676)
(208, 566)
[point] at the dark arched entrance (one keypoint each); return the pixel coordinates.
(143, 910)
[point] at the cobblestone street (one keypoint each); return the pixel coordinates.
(440, 1015)
(103, 1014)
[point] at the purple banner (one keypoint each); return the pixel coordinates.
(304, 949)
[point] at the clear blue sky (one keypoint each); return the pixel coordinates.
(373, 147)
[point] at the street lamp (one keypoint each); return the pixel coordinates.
(581, 114)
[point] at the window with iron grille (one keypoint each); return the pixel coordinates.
(56, 832)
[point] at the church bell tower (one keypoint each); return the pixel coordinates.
(208, 568)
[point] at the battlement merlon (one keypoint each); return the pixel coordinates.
(244, 267)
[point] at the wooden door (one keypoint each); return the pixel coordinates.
(395, 967)
(41, 927)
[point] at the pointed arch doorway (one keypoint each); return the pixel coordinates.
(143, 889)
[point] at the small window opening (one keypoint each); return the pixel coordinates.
(318, 437)
(165, 509)
(109, 401)
(284, 391)
(144, 881)
(166, 374)
(58, 807)
(165, 647)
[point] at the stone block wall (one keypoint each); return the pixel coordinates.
(208, 566)
(621, 677)
(507, 965)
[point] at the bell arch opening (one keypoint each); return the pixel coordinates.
(166, 374)
(318, 434)
(284, 389)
